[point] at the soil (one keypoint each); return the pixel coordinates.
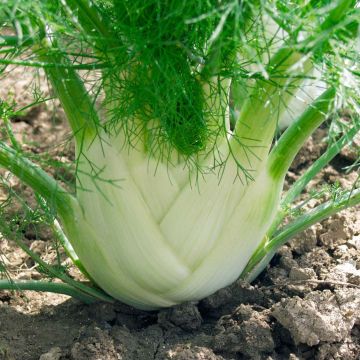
(306, 305)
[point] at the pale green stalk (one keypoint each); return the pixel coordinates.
(46, 286)
(267, 250)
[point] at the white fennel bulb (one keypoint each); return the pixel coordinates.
(151, 242)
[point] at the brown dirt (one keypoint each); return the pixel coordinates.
(305, 306)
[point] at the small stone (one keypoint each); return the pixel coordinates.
(305, 241)
(24, 275)
(247, 331)
(349, 270)
(320, 316)
(355, 242)
(186, 352)
(285, 251)
(186, 316)
(38, 246)
(243, 312)
(53, 354)
(297, 274)
(293, 357)
(287, 263)
(351, 152)
(11, 180)
(277, 275)
(337, 232)
(342, 248)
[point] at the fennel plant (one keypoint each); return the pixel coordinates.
(174, 108)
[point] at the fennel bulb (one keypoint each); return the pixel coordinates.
(152, 241)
